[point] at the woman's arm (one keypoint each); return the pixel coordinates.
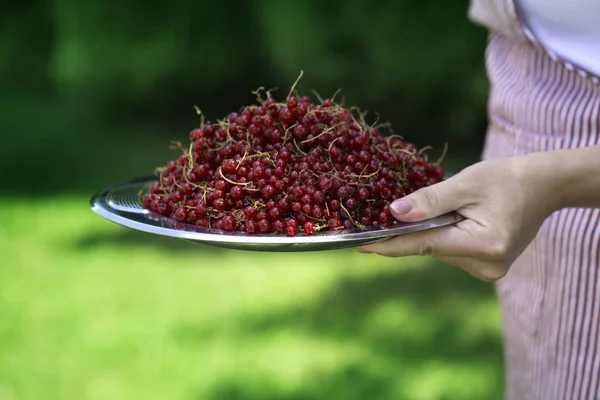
(572, 177)
(504, 201)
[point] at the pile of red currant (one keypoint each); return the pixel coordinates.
(289, 168)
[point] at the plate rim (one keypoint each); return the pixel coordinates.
(159, 225)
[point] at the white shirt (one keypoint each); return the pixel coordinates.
(568, 28)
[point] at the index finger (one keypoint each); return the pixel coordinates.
(451, 241)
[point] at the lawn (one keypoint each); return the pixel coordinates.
(90, 310)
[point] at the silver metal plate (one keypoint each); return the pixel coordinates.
(122, 204)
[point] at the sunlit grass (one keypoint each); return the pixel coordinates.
(91, 310)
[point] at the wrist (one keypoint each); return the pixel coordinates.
(540, 182)
(565, 178)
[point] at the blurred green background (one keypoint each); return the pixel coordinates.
(92, 93)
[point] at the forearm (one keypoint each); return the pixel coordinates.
(569, 178)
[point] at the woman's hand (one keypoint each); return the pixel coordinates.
(504, 202)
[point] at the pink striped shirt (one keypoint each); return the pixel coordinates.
(550, 299)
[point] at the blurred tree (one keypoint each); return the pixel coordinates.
(410, 60)
(26, 35)
(128, 52)
(100, 67)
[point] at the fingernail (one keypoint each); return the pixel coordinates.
(364, 251)
(401, 207)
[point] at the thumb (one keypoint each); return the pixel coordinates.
(430, 202)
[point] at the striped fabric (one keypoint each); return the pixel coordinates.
(550, 299)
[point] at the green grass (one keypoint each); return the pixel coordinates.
(91, 310)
